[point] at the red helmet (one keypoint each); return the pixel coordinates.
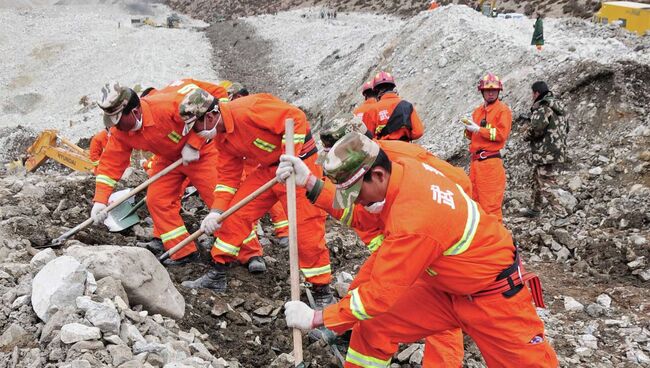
(383, 78)
(366, 87)
(490, 81)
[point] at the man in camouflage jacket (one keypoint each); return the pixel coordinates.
(547, 136)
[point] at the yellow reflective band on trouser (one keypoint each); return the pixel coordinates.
(313, 272)
(263, 145)
(493, 134)
(250, 236)
(96, 163)
(171, 235)
(365, 361)
(103, 179)
(297, 138)
(431, 272)
(226, 248)
(379, 128)
(225, 188)
(346, 217)
(174, 137)
(280, 224)
(375, 242)
(473, 218)
(356, 305)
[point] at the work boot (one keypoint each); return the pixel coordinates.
(194, 257)
(322, 296)
(283, 241)
(155, 246)
(214, 279)
(529, 212)
(256, 264)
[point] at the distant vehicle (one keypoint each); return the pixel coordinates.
(511, 16)
(630, 15)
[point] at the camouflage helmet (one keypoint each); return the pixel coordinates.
(236, 90)
(114, 98)
(194, 106)
(346, 164)
(339, 127)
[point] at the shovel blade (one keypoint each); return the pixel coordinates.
(122, 217)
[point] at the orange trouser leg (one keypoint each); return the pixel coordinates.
(279, 220)
(444, 349)
(488, 185)
(312, 252)
(507, 330)
(164, 207)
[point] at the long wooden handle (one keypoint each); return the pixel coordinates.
(294, 271)
(195, 235)
(126, 196)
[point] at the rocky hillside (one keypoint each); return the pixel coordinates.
(211, 10)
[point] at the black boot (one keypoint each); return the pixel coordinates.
(214, 279)
(155, 246)
(322, 296)
(194, 257)
(256, 265)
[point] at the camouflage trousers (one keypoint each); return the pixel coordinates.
(544, 179)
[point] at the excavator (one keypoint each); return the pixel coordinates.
(488, 8)
(50, 145)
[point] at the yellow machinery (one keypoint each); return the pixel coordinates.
(48, 144)
(630, 15)
(488, 8)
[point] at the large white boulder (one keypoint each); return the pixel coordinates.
(57, 285)
(145, 280)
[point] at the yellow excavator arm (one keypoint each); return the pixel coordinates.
(50, 145)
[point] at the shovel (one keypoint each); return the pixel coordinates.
(195, 235)
(188, 193)
(123, 216)
(58, 241)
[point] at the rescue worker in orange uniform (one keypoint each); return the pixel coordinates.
(153, 124)
(488, 133)
(370, 98)
(97, 145)
(443, 348)
(278, 217)
(444, 264)
(391, 117)
(253, 128)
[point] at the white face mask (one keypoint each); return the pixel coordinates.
(138, 124)
(375, 207)
(208, 134)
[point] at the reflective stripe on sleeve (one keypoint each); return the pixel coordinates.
(493, 134)
(297, 138)
(375, 243)
(356, 306)
(471, 225)
(280, 224)
(346, 217)
(103, 179)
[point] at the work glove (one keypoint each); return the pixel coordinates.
(211, 222)
(189, 154)
(289, 164)
(98, 214)
(470, 125)
(299, 315)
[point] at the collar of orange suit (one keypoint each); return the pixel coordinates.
(227, 117)
(396, 175)
(388, 96)
(491, 106)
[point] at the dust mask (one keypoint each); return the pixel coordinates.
(138, 124)
(208, 134)
(375, 207)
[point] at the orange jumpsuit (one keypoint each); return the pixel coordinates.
(377, 118)
(488, 175)
(97, 145)
(255, 130)
(442, 348)
(440, 251)
(278, 217)
(161, 134)
(361, 110)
